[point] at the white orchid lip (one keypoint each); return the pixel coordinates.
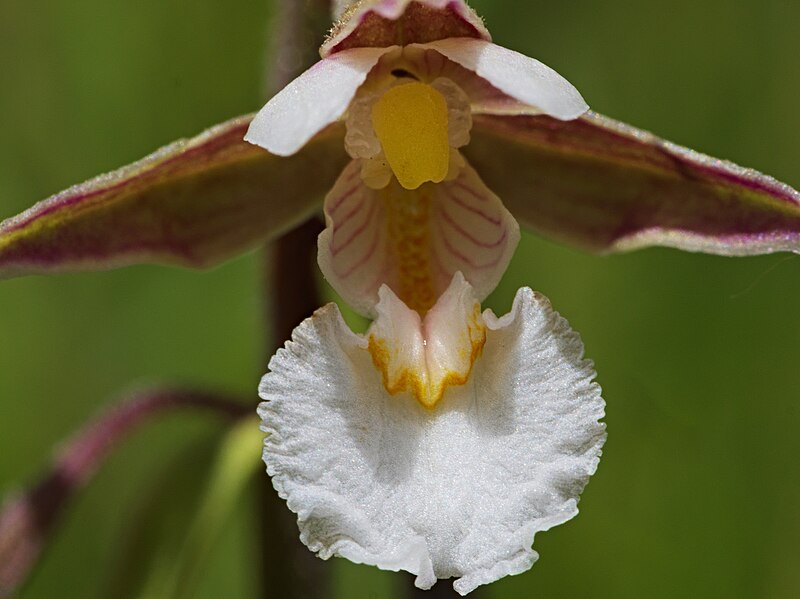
(459, 491)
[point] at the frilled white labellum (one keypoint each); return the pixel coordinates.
(413, 241)
(459, 491)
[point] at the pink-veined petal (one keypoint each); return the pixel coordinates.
(521, 77)
(311, 102)
(194, 203)
(605, 186)
(381, 23)
(353, 250)
(413, 241)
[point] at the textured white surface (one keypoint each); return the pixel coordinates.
(458, 491)
(314, 100)
(521, 77)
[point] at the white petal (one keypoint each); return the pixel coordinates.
(353, 251)
(413, 241)
(515, 74)
(458, 491)
(314, 100)
(474, 233)
(430, 65)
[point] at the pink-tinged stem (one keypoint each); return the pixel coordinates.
(28, 519)
(296, 34)
(289, 569)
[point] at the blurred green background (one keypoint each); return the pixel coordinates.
(698, 493)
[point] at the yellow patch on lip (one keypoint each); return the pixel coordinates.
(417, 379)
(411, 122)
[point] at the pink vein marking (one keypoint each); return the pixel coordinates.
(449, 220)
(461, 185)
(461, 256)
(357, 232)
(367, 255)
(340, 200)
(463, 204)
(340, 223)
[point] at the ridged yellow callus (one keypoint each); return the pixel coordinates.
(410, 121)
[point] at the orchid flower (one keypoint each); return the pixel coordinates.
(444, 438)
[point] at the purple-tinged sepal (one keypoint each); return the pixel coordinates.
(193, 203)
(605, 186)
(385, 23)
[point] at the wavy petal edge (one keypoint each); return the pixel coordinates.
(382, 481)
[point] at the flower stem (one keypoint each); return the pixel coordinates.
(290, 295)
(290, 570)
(296, 33)
(28, 519)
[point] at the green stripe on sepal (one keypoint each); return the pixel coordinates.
(192, 203)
